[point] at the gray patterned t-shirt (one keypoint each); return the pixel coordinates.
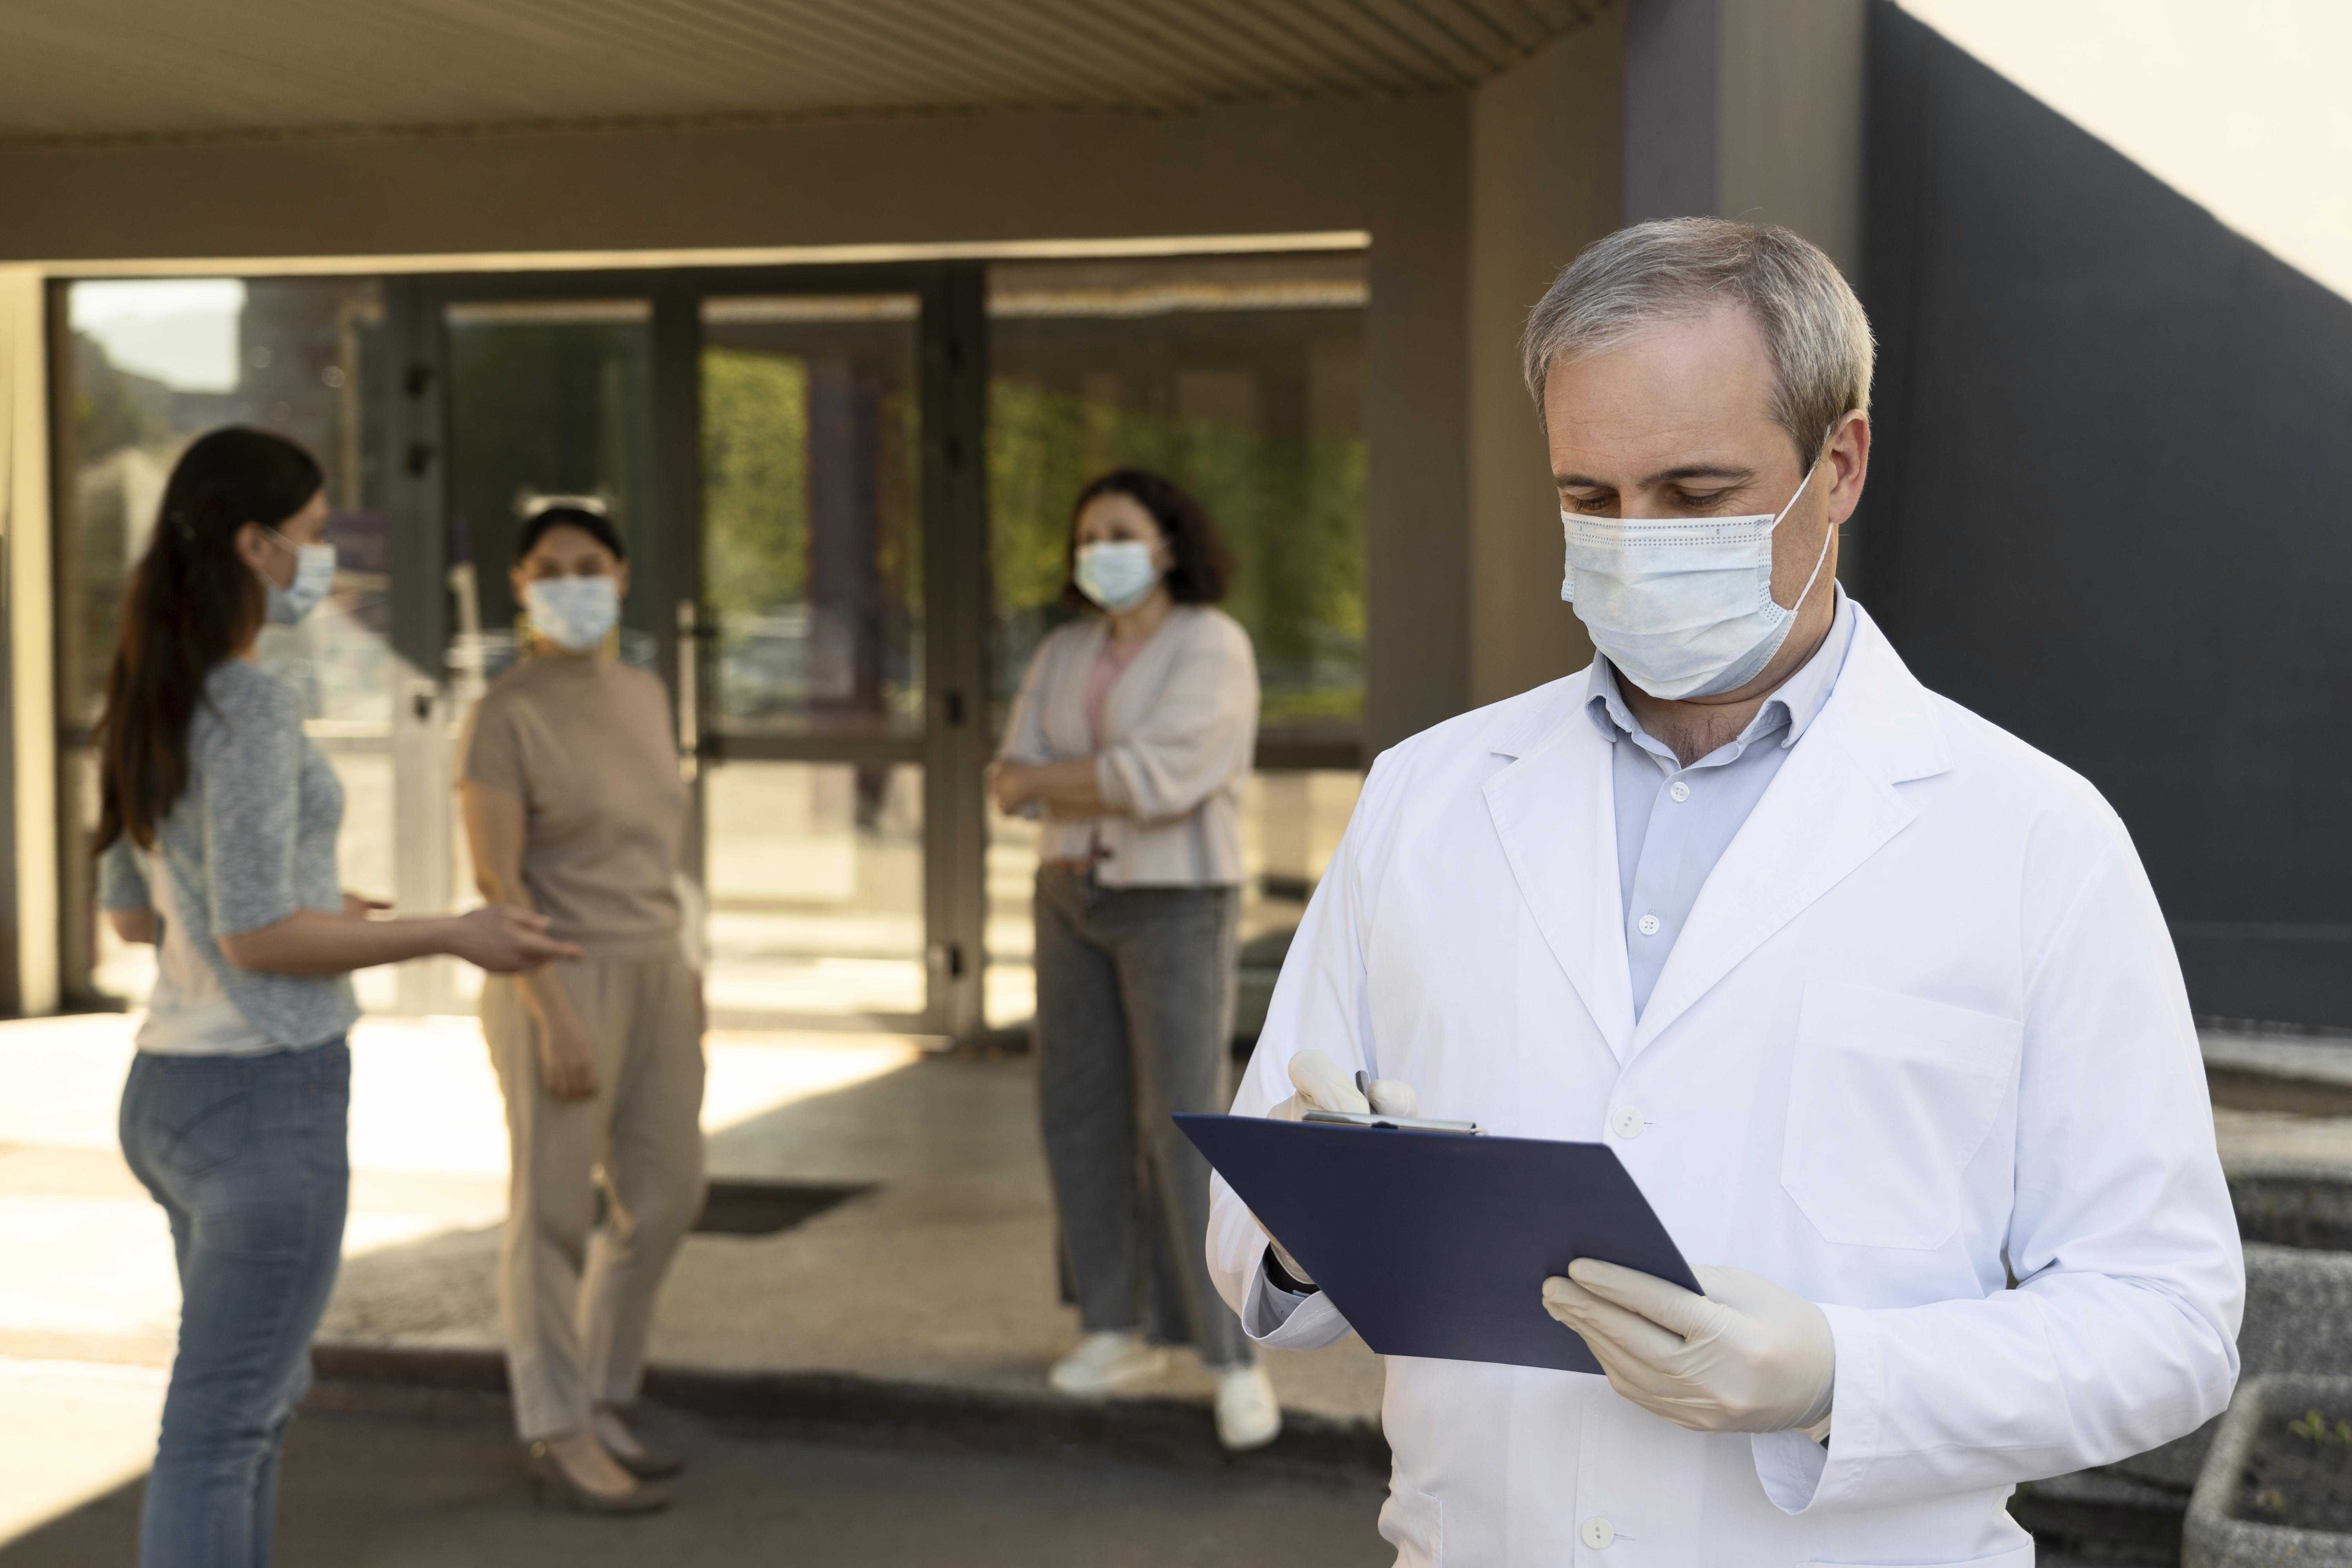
(251, 842)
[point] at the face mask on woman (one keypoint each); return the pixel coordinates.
(575, 613)
(1116, 574)
(314, 575)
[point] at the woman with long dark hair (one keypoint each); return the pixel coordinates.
(217, 836)
(1131, 737)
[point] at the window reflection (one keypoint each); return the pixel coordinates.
(1242, 379)
(151, 365)
(812, 534)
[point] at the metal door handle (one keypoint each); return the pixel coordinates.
(689, 691)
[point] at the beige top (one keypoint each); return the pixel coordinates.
(1178, 736)
(585, 744)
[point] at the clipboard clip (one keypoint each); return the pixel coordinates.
(1393, 1123)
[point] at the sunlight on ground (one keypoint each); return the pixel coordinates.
(96, 1430)
(89, 1302)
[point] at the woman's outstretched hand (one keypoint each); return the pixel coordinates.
(504, 939)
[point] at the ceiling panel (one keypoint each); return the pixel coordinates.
(100, 69)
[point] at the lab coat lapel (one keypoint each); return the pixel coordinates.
(1555, 810)
(1832, 807)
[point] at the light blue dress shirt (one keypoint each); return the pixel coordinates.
(1674, 823)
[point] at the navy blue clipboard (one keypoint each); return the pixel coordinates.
(1437, 1243)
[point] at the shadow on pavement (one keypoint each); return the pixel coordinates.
(374, 1490)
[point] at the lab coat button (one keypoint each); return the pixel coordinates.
(1647, 925)
(1628, 1121)
(1598, 1533)
(1679, 790)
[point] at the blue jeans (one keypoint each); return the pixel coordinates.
(248, 1157)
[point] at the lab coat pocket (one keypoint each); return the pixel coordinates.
(1414, 1523)
(1890, 1097)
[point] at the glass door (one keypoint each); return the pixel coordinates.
(804, 656)
(793, 460)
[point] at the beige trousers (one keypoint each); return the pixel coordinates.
(576, 1292)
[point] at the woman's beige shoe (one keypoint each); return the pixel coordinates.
(621, 1442)
(553, 1483)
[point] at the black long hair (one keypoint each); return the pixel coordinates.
(193, 602)
(1200, 565)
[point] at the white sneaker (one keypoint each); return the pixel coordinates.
(1248, 1415)
(1108, 1360)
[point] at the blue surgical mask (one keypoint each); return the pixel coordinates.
(1681, 605)
(314, 578)
(576, 614)
(1116, 574)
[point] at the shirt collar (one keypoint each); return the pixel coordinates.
(1796, 702)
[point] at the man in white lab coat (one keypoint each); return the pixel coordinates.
(1872, 1000)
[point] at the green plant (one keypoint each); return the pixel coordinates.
(2312, 1428)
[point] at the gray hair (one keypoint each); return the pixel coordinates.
(1675, 269)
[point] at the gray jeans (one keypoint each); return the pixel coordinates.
(1135, 1020)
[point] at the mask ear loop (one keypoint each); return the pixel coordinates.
(1819, 561)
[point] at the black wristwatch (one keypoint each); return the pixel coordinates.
(1282, 1279)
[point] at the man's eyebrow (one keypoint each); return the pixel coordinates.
(1698, 471)
(1664, 476)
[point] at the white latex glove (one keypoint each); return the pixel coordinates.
(1748, 1356)
(1319, 1083)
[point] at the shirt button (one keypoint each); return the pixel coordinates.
(1647, 925)
(1598, 1533)
(1628, 1121)
(1678, 790)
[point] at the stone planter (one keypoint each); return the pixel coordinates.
(2215, 1536)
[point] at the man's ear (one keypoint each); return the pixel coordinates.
(1849, 450)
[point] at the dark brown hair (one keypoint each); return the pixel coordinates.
(548, 519)
(1201, 565)
(192, 602)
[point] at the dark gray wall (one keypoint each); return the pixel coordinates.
(2107, 508)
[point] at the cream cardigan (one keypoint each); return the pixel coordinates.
(1179, 731)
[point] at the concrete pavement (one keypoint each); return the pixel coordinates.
(938, 1275)
(933, 1279)
(385, 1491)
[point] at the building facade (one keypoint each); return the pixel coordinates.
(836, 311)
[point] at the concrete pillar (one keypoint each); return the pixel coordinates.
(1752, 109)
(30, 775)
(1545, 157)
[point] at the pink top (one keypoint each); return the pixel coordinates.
(1103, 675)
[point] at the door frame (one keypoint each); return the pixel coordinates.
(951, 389)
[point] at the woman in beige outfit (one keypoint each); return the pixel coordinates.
(574, 807)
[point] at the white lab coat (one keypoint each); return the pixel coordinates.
(1923, 1032)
